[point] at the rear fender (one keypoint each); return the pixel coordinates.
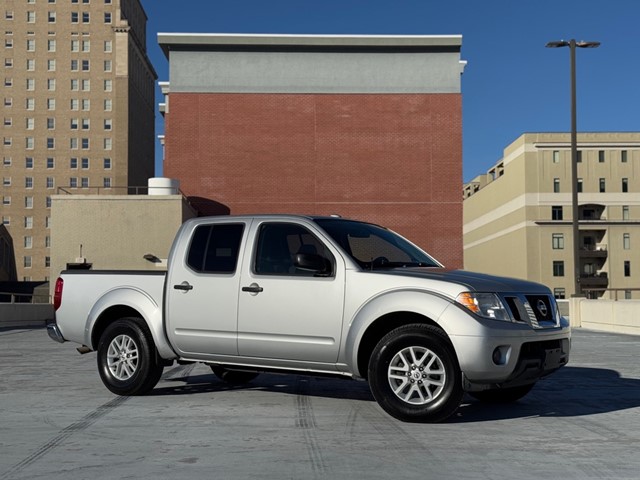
(137, 300)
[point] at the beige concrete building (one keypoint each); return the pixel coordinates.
(77, 112)
(517, 216)
(115, 232)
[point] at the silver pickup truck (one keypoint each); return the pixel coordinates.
(316, 295)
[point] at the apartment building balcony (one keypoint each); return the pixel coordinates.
(594, 251)
(595, 280)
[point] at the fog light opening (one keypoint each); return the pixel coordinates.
(501, 355)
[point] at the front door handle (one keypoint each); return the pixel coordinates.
(253, 288)
(184, 286)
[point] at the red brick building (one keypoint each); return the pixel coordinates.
(364, 127)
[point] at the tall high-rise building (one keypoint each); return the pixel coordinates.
(77, 112)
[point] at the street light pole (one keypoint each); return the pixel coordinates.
(572, 44)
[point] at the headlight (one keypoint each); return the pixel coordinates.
(487, 305)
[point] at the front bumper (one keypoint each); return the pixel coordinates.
(501, 354)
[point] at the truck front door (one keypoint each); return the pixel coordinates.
(286, 312)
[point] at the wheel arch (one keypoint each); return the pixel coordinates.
(384, 314)
(127, 302)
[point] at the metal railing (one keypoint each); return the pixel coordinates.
(35, 298)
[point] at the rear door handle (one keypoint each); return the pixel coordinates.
(184, 286)
(253, 288)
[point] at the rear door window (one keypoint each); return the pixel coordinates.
(215, 248)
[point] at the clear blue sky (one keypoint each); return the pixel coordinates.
(512, 84)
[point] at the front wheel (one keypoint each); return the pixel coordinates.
(127, 359)
(414, 374)
(502, 395)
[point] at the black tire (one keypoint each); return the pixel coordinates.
(432, 390)
(127, 359)
(233, 377)
(502, 395)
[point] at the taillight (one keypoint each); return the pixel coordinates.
(57, 294)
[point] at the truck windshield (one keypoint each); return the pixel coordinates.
(374, 247)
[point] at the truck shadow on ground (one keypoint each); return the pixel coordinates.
(571, 392)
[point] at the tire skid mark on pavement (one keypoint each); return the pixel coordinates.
(306, 422)
(65, 433)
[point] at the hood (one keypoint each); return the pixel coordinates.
(472, 281)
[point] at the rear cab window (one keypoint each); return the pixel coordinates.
(215, 248)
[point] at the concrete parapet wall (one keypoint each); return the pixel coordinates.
(606, 315)
(24, 314)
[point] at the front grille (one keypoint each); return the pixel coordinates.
(538, 311)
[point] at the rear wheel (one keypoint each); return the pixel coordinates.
(414, 374)
(233, 377)
(502, 395)
(127, 360)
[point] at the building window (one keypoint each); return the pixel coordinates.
(601, 156)
(556, 156)
(29, 143)
(47, 262)
(85, 143)
(107, 17)
(73, 163)
(107, 124)
(6, 220)
(73, 182)
(8, 121)
(73, 124)
(75, 45)
(6, 181)
(107, 144)
(85, 124)
(8, 101)
(106, 163)
(623, 156)
(28, 222)
(85, 17)
(51, 163)
(625, 212)
(74, 17)
(74, 65)
(625, 185)
(86, 85)
(579, 185)
(50, 183)
(626, 241)
(108, 85)
(558, 268)
(556, 185)
(602, 186)
(31, 45)
(31, 17)
(579, 152)
(51, 143)
(107, 105)
(84, 182)
(28, 182)
(75, 104)
(73, 143)
(6, 200)
(28, 162)
(30, 123)
(106, 182)
(51, 84)
(85, 163)
(108, 46)
(47, 241)
(31, 64)
(107, 65)
(28, 241)
(75, 84)
(86, 45)
(557, 241)
(47, 205)
(7, 141)
(627, 268)
(51, 123)
(51, 103)
(556, 213)
(86, 104)
(27, 261)
(28, 202)
(51, 65)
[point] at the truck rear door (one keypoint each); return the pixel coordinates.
(202, 290)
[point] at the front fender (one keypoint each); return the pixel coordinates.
(138, 300)
(420, 302)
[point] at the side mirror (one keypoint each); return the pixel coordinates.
(312, 263)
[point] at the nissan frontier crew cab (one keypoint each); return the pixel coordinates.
(316, 295)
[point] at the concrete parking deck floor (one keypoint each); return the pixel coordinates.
(59, 422)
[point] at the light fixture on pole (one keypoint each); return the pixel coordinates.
(572, 44)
